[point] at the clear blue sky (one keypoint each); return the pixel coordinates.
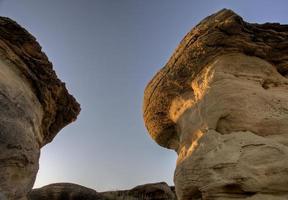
(106, 51)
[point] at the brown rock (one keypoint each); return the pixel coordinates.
(154, 191)
(64, 191)
(151, 191)
(21, 49)
(69, 191)
(222, 33)
(35, 105)
(221, 104)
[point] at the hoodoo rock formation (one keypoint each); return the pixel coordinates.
(34, 106)
(221, 102)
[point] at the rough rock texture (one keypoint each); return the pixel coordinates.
(20, 49)
(219, 34)
(68, 191)
(221, 103)
(35, 105)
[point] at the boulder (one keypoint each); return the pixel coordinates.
(221, 103)
(34, 106)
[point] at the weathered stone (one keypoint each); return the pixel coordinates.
(64, 191)
(151, 191)
(68, 191)
(221, 103)
(35, 105)
(219, 34)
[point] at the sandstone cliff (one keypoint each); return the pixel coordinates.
(221, 103)
(35, 105)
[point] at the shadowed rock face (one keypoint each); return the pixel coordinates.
(221, 103)
(34, 106)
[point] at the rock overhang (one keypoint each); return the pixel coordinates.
(222, 33)
(20, 48)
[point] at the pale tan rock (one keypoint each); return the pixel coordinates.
(221, 103)
(233, 137)
(34, 106)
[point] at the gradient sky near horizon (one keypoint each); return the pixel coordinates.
(106, 51)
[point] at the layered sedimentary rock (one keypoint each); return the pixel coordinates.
(68, 191)
(34, 106)
(221, 103)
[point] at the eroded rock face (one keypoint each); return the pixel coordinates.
(35, 105)
(221, 104)
(234, 137)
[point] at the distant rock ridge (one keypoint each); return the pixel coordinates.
(64, 191)
(69, 191)
(34, 106)
(221, 103)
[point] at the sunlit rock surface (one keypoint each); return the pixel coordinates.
(34, 106)
(221, 102)
(68, 191)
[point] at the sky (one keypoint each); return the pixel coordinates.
(106, 51)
